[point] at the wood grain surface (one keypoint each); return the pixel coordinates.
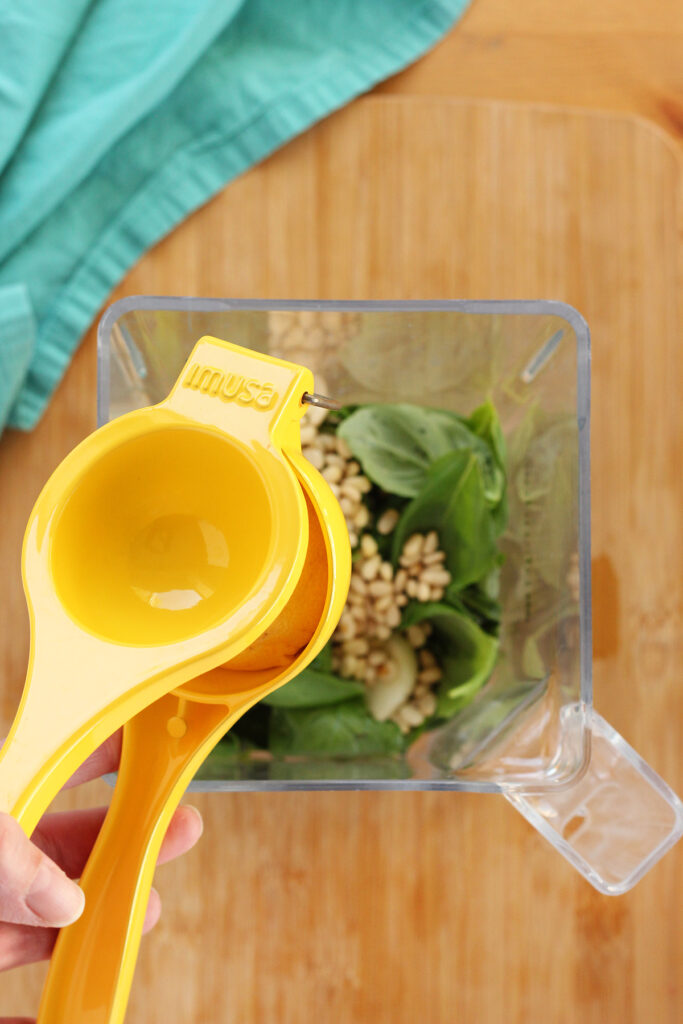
(396, 908)
(601, 54)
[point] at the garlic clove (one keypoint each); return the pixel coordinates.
(397, 681)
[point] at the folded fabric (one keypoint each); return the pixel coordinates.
(118, 118)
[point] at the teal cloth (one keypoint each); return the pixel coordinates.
(119, 117)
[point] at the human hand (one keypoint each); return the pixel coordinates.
(37, 894)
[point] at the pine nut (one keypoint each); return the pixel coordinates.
(386, 572)
(429, 676)
(400, 579)
(415, 636)
(382, 632)
(376, 658)
(345, 630)
(380, 588)
(316, 414)
(413, 546)
(314, 456)
(370, 568)
(351, 494)
(332, 473)
(393, 617)
(422, 592)
(402, 600)
(368, 545)
(352, 468)
(440, 577)
(384, 603)
(427, 704)
(354, 480)
(433, 557)
(358, 584)
(348, 665)
(431, 542)
(343, 447)
(410, 715)
(353, 538)
(411, 588)
(362, 517)
(437, 593)
(358, 646)
(347, 506)
(387, 521)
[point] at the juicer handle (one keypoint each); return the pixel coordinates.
(93, 963)
(614, 821)
(57, 726)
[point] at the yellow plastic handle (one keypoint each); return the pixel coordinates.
(54, 732)
(94, 959)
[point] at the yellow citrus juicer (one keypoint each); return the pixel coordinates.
(161, 547)
(163, 746)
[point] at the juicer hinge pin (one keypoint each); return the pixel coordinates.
(321, 401)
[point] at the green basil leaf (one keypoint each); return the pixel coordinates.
(340, 730)
(479, 600)
(396, 444)
(467, 654)
(323, 661)
(312, 688)
(485, 424)
(453, 502)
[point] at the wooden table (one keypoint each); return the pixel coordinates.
(597, 54)
(373, 908)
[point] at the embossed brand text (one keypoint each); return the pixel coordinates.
(230, 387)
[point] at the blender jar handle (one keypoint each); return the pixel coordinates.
(614, 821)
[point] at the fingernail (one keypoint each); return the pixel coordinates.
(153, 911)
(54, 898)
(200, 820)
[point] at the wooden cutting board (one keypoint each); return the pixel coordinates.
(396, 908)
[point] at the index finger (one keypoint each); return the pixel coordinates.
(103, 760)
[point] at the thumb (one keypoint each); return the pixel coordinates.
(33, 890)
